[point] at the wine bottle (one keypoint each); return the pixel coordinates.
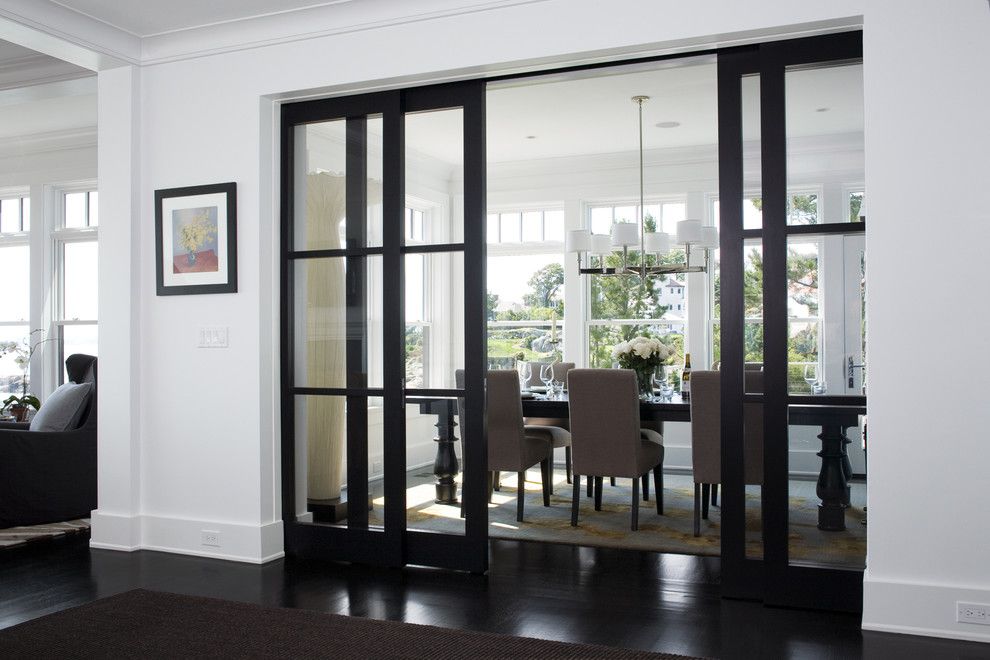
(686, 378)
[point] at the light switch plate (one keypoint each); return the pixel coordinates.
(213, 336)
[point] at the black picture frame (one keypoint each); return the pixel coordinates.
(196, 226)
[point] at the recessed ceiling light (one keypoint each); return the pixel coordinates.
(822, 109)
(668, 124)
(530, 137)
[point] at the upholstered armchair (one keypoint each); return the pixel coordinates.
(50, 476)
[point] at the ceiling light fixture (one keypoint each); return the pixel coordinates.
(697, 240)
(668, 124)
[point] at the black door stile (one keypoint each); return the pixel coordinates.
(773, 579)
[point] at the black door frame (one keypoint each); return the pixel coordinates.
(772, 579)
(395, 545)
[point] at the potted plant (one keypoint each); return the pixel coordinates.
(643, 355)
(18, 405)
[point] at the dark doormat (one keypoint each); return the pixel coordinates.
(151, 624)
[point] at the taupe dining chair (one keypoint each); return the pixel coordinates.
(560, 370)
(706, 437)
(513, 446)
(606, 437)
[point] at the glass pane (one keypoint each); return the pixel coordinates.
(753, 466)
(80, 280)
(601, 220)
(26, 213)
(320, 204)
(525, 307)
(11, 375)
(532, 226)
(75, 210)
(322, 424)
(492, 230)
(16, 277)
(752, 154)
(94, 209)
(434, 143)
(511, 230)
(824, 119)
(10, 215)
(435, 342)
(434, 460)
(827, 489)
(553, 225)
(338, 341)
(78, 339)
(672, 214)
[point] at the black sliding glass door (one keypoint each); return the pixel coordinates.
(382, 289)
(792, 281)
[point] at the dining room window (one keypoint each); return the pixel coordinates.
(525, 297)
(76, 258)
(620, 308)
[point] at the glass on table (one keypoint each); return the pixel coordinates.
(525, 373)
(546, 375)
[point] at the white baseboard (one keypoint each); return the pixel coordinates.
(913, 608)
(254, 544)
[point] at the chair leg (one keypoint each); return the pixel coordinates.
(646, 487)
(598, 493)
(635, 504)
(575, 498)
(697, 509)
(491, 485)
(658, 487)
(705, 495)
(591, 486)
(567, 463)
(520, 495)
(611, 482)
(714, 494)
(498, 480)
(547, 480)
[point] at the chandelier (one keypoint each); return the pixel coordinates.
(698, 241)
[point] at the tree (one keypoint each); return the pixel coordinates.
(546, 283)
(491, 306)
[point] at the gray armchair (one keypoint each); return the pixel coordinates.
(49, 476)
(607, 439)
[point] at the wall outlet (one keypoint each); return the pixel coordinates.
(973, 613)
(211, 537)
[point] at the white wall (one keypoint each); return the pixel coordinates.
(926, 134)
(203, 430)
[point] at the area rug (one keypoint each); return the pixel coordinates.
(12, 537)
(151, 624)
(672, 532)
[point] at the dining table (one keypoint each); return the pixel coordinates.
(833, 420)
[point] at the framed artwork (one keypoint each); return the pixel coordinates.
(196, 239)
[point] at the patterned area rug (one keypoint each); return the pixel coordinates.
(13, 537)
(672, 532)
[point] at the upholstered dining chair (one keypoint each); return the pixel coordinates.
(706, 437)
(513, 446)
(560, 370)
(606, 437)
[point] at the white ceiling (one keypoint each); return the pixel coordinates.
(145, 18)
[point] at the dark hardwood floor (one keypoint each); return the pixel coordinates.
(639, 600)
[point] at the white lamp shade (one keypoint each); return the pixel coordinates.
(578, 240)
(688, 231)
(657, 242)
(625, 234)
(709, 237)
(601, 243)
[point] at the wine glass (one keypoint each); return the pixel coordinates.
(525, 374)
(659, 380)
(811, 376)
(546, 375)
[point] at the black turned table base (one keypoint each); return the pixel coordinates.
(833, 479)
(445, 466)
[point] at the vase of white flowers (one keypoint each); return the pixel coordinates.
(643, 355)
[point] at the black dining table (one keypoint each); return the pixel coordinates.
(834, 421)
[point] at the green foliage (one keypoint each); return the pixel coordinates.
(491, 306)
(25, 400)
(546, 283)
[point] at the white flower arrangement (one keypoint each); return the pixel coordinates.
(641, 353)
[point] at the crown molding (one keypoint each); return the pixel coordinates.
(39, 69)
(297, 25)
